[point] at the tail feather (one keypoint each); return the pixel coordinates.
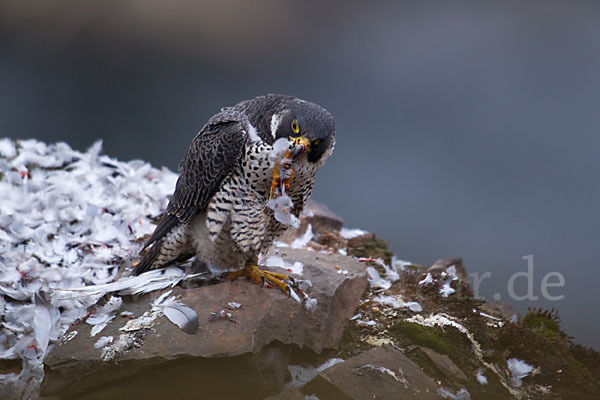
(148, 260)
(170, 248)
(165, 225)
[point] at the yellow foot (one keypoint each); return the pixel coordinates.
(251, 271)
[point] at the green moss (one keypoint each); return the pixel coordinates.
(430, 337)
(544, 323)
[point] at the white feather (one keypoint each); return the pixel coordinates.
(519, 369)
(352, 233)
(376, 280)
(276, 261)
(103, 341)
(42, 324)
(301, 242)
(182, 316)
(253, 134)
(481, 378)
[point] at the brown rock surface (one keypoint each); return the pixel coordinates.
(266, 317)
(443, 362)
(321, 218)
(380, 373)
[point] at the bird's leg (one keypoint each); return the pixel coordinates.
(251, 271)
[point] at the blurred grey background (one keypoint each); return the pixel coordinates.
(464, 129)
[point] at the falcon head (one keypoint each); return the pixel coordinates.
(305, 122)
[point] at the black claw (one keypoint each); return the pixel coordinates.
(289, 291)
(262, 281)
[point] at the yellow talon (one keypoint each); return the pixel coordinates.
(251, 271)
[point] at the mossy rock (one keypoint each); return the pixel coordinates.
(431, 337)
(369, 246)
(544, 323)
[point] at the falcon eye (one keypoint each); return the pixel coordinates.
(295, 126)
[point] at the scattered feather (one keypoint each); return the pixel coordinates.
(357, 316)
(302, 375)
(489, 316)
(446, 290)
(519, 369)
(352, 233)
(428, 280)
(413, 306)
(397, 302)
(221, 314)
(400, 264)
(481, 378)
(376, 281)
(368, 323)
(302, 241)
(390, 272)
(104, 314)
(310, 304)
(276, 261)
(103, 341)
(182, 316)
(462, 394)
(232, 305)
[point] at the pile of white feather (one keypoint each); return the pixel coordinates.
(67, 220)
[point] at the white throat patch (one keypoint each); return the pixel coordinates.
(275, 120)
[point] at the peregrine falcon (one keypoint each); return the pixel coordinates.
(222, 211)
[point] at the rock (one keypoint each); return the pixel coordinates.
(442, 265)
(500, 310)
(369, 246)
(321, 218)
(289, 394)
(380, 373)
(265, 319)
(443, 362)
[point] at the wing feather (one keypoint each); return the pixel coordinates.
(213, 155)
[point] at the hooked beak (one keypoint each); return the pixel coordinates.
(301, 144)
